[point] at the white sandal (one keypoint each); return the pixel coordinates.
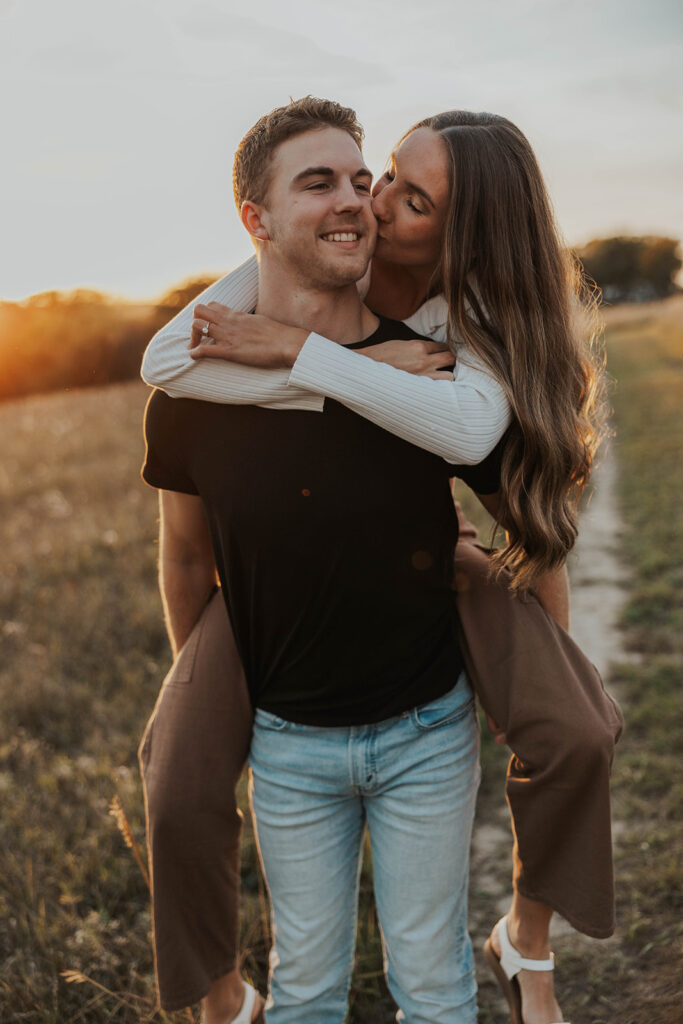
(247, 1007)
(510, 963)
(244, 1016)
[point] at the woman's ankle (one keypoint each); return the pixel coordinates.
(224, 999)
(528, 927)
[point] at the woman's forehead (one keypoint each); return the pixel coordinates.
(423, 154)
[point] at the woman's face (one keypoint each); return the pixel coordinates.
(410, 201)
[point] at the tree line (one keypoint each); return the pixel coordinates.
(632, 269)
(62, 340)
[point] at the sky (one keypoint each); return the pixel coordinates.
(120, 119)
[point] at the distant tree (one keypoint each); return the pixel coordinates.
(632, 269)
(81, 338)
(660, 263)
(176, 298)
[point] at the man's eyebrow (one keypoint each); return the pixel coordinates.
(327, 172)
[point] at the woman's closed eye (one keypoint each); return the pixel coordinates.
(389, 176)
(414, 208)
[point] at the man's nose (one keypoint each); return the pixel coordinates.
(349, 198)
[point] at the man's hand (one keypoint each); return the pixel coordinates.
(219, 332)
(423, 358)
(499, 736)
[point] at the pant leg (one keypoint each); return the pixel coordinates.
(309, 824)
(191, 757)
(562, 727)
(420, 812)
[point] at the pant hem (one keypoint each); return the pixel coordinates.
(192, 996)
(592, 930)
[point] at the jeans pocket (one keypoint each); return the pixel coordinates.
(446, 710)
(267, 720)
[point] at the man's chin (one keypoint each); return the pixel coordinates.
(336, 274)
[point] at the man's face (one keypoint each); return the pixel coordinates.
(317, 211)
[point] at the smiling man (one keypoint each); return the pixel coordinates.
(333, 540)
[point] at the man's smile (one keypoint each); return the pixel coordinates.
(347, 238)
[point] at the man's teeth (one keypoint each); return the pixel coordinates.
(344, 236)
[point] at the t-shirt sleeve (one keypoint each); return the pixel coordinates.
(484, 478)
(164, 466)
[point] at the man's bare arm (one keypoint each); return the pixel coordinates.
(187, 570)
(552, 588)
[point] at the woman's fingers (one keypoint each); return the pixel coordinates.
(412, 355)
(210, 311)
(431, 347)
(200, 333)
(211, 350)
(213, 322)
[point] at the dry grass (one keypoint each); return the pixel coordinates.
(83, 652)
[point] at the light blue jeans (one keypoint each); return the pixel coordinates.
(413, 779)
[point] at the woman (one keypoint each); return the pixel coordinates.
(466, 242)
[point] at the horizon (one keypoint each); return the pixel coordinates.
(123, 122)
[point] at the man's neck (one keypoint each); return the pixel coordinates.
(335, 313)
(398, 291)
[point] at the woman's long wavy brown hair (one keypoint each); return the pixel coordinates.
(515, 296)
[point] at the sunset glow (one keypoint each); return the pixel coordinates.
(121, 120)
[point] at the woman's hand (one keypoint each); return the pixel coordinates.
(423, 358)
(219, 332)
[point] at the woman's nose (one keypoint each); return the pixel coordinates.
(380, 207)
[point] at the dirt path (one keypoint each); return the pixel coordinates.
(598, 591)
(598, 576)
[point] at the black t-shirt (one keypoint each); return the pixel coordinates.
(334, 544)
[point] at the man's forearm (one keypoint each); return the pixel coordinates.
(185, 588)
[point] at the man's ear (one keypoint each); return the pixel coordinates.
(251, 216)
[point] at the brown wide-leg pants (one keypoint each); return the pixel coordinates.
(530, 677)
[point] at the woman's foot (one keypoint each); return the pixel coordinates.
(231, 1000)
(530, 993)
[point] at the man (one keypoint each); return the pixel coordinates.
(333, 542)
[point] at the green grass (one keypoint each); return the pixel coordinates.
(646, 358)
(635, 978)
(83, 651)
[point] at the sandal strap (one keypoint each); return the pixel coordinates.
(512, 962)
(244, 1016)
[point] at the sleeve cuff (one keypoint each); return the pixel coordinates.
(315, 352)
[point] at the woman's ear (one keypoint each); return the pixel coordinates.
(251, 216)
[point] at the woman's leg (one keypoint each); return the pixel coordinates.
(562, 728)
(528, 928)
(191, 758)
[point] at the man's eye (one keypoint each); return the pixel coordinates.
(362, 186)
(318, 185)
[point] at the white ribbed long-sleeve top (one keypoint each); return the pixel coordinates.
(459, 420)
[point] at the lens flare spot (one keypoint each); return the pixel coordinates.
(421, 560)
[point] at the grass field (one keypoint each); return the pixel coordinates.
(84, 650)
